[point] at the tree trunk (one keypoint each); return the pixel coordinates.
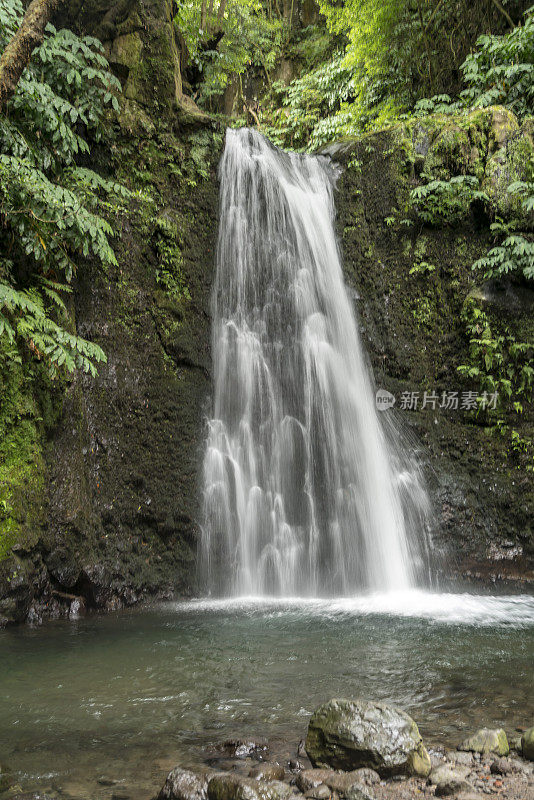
(17, 54)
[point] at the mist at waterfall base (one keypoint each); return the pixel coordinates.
(307, 492)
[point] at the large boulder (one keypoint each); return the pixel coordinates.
(349, 734)
(527, 744)
(487, 740)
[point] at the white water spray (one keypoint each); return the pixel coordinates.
(304, 493)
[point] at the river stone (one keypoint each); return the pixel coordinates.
(321, 792)
(236, 787)
(505, 766)
(267, 772)
(339, 782)
(182, 784)
(450, 780)
(487, 740)
(347, 734)
(419, 762)
(527, 744)
(358, 792)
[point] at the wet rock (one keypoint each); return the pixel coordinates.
(295, 765)
(527, 744)
(487, 740)
(347, 734)
(103, 781)
(235, 787)
(267, 772)
(241, 748)
(182, 784)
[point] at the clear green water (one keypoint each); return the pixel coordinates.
(128, 696)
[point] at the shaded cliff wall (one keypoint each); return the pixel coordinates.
(102, 487)
(482, 488)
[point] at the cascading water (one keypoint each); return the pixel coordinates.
(305, 491)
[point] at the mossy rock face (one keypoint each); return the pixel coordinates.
(487, 740)
(99, 478)
(140, 43)
(351, 734)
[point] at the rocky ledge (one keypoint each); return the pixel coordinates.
(360, 750)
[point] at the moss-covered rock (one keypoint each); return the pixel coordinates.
(487, 740)
(351, 734)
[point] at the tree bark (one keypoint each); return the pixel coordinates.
(17, 54)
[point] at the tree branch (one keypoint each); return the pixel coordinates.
(499, 6)
(17, 54)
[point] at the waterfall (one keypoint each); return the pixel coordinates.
(307, 488)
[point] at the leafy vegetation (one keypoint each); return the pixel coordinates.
(50, 206)
(438, 202)
(498, 362)
(227, 38)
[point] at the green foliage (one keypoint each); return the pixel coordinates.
(438, 202)
(515, 253)
(310, 110)
(50, 207)
(169, 272)
(242, 36)
(497, 362)
(499, 72)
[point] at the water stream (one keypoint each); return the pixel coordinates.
(305, 491)
(128, 696)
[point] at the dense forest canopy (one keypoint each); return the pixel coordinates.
(308, 74)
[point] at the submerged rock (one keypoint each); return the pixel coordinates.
(182, 784)
(6, 778)
(347, 734)
(241, 748)
(487, 740)
(527, 744)
(267, 772)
